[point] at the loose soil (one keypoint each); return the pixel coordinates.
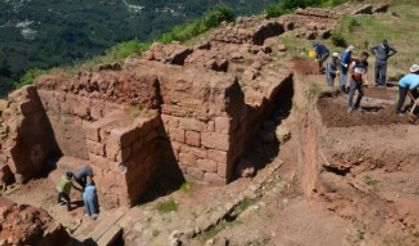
(334, 113)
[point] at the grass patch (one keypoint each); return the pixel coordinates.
(189, 187)
(135, 111)
(368, 180)
(155, 233)
(167, 206)
(315, 90)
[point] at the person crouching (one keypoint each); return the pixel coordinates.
(409, 82)
(64, 188)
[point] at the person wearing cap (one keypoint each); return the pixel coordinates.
(345, 61)
(64, 188)
(332, 69)
(322, 53)
(383, 52)
(359, 73)
(409, 82)
(81, 175)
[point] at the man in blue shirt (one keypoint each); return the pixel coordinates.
(322, 53)
(409, 82)
(383, 52)
(345, 61)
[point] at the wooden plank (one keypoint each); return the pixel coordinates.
(106, 224)
(111, 236)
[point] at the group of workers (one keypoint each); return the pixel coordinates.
(81, 180)
(356, 68)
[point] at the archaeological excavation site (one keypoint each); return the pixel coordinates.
(231, 139)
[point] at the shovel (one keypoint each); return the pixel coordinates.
(412, 115)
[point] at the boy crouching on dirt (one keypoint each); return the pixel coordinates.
(359, 73)
(64, 188)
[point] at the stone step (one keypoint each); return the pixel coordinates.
(105, 230)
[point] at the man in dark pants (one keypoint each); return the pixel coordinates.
(322, 53)
(359, 73)
(383, 52)
(332, 69)
(80, 176)
(409, 82)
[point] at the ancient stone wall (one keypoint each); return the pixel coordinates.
(30, 147)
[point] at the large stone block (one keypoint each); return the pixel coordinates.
(188, 159)
(218, 156)
(222, 125)
(215, 141)
(193, 138)
(207, 165)
(95, 147)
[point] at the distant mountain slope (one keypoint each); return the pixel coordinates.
(47, 33)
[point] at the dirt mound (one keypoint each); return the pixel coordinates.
(26, 225)
(304, 67)
(334, 114)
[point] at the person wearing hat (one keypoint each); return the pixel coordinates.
(359, 73)
(409, 82)
(383, 52)
(345, 61)
(322, 53)
(64, 188)
(332, 69)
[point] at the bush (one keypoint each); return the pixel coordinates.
(338, 39)
(353, 24)
(29, 77)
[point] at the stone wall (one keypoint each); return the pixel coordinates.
(30, 147)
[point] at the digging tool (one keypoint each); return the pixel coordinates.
(412, 115)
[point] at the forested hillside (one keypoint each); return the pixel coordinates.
(49, 33)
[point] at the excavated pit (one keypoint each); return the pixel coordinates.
(369, 158)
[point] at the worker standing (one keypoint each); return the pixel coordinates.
(344, 64)
(332, 69)
(322, 53)
(409, 82)
(383, 52)
(359, 73)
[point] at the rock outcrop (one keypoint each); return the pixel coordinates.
(26, 225)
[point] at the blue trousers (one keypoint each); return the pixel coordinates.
(91, 204)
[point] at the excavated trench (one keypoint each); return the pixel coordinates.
(354, 160)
